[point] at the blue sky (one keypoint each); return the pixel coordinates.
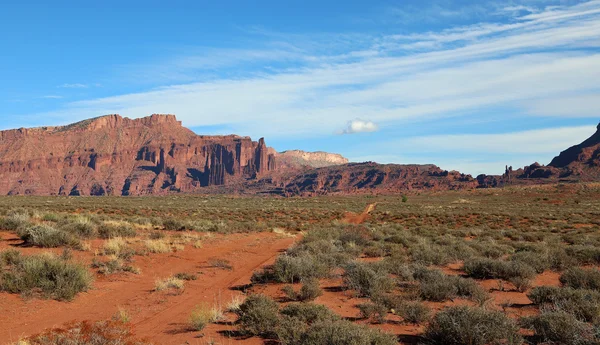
(466, 85)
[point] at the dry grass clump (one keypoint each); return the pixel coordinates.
(169, 283)
(114, 264)
(220, 263)
(111, 332)
(114, 246)
(158, 246)
(203, 315)
(235, 303)
(112, 229)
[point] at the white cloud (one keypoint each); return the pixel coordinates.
(52, 97)
(359, 126)
(74, 86)
(542, 141)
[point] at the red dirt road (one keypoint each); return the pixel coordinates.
(161, 317)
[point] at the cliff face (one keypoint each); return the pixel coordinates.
(580, 160)
(294, 158)
(376, 178)
(112, 155)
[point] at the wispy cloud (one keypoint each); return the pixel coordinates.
(542, 141)
(359, 126)
(74, 86)
(52, 97)
(539, 61)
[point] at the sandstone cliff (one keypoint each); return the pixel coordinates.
(376, 178)
(112, 155)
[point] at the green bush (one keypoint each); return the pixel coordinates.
(471, 326)
(292, 269)
(46, 236)
(107, 230)
(344, 333)
(437, 287)
(15, 221)
(415, 312)
(310, 290)
(579, 278)
(560, 328)
(367, 279)
(259, 315)
(583, 304)
(484, 268)
(54, 277)
(539, 262)
(584, 255)
(309, 313)
(375, 312)
(80, 227)
(174, 224)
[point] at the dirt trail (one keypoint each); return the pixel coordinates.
(353, 218)
(159, 316)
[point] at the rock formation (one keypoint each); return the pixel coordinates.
(376, 178)
(112, 155)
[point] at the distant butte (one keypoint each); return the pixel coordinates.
(115, 155)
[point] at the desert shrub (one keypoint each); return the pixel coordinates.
(375, 312)
(309, 313)
(467, 287)
(258, 315)
(560, 327)
(292, 269)
(429, 254)
(471, 326)
(310, 290)
(344, 333)
(366, 279)
(173, 224)
(438, 287)
(290, 330)
(15, 221)
(559, 259)
(583, 304)
(108, 230)
(520, 283)
(584, 255)
(579, 278)
(415, 312)
(484, 268)
(88, 333)
(539, 262)
(51, 217)
(81, 227)
(290, 293)
(46, 236)
(53, 277)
